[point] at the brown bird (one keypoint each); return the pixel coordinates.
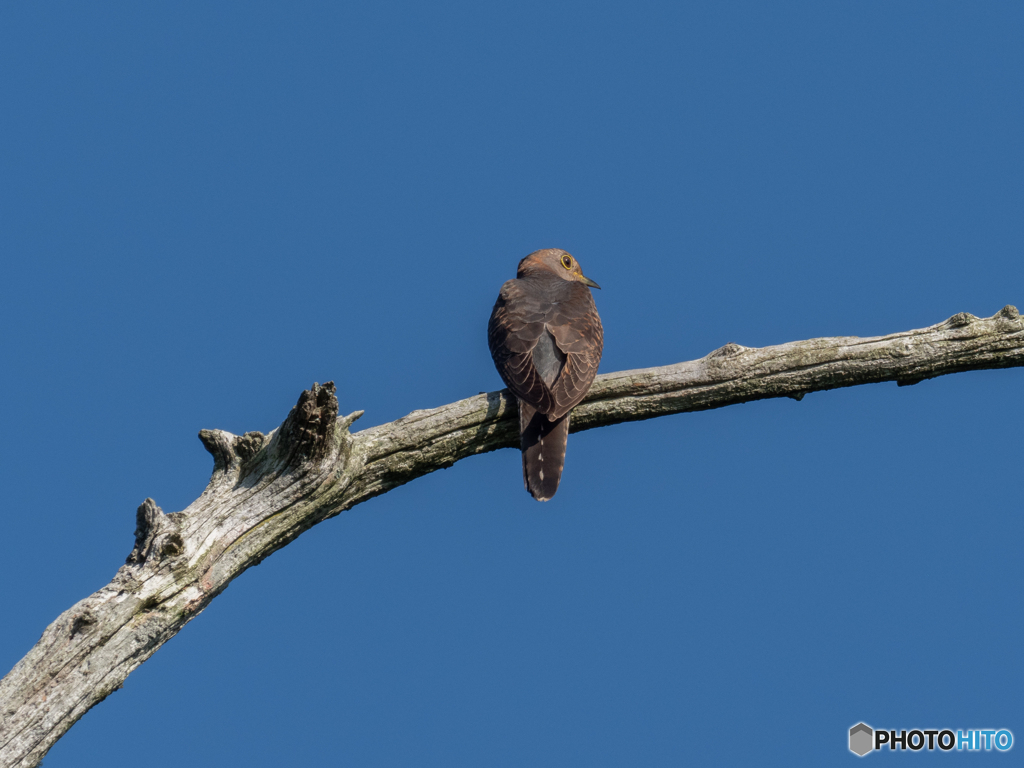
(546, 340)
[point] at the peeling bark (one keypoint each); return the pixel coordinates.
(267, 489)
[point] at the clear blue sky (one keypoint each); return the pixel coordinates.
(204, 208)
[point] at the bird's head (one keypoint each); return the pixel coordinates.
(554, 261)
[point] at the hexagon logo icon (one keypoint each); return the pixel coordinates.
(861, 738)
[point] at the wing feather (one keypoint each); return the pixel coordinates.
(522, 313)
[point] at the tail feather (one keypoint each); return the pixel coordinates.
(543, 445)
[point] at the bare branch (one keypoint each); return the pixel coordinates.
(268, 489)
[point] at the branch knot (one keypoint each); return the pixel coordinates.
(155, 534)
(231, 453)
(308, 432)
(961, 319)
(728, 350)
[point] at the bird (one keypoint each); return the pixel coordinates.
(546, 340)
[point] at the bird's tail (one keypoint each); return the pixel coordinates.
(543, 445)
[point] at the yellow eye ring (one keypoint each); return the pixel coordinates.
(567, 261)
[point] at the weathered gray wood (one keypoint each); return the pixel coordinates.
(268, 489)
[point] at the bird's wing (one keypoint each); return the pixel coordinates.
(576, 328)
(517, 322)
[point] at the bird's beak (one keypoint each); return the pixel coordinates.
(588, 281)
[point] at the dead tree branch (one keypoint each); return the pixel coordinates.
(268, 489)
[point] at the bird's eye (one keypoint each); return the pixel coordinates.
(567, 261)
